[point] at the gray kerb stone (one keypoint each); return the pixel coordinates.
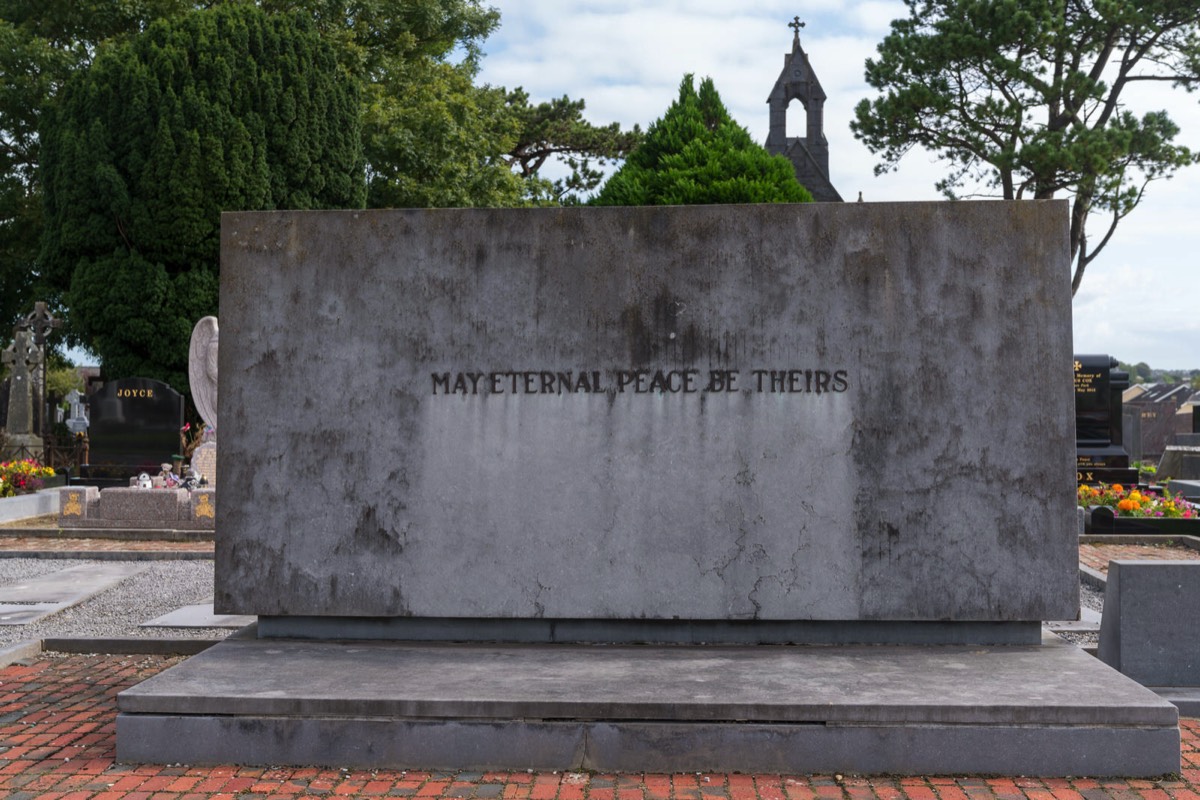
(1151, 628)
(803, 412)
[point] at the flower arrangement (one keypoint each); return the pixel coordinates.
(1136, 503)
(190, 439)
(22, 477)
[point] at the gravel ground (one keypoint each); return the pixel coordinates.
(1091, 598)
(166, 585)
(118, 612)
(1088, 598)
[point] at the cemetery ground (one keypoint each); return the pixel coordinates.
(58, 712)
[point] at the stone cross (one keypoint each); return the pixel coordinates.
(41, 323)
(22, 357)
(796, 25)
(78, 422)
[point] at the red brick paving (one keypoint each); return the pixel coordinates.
(57, 720)
(1097, 556)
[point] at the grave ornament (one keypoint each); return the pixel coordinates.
(78, 422)
(202, 369)
(22, 357)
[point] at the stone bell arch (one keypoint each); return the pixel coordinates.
(809, 154)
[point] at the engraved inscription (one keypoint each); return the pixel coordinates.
(641, 381)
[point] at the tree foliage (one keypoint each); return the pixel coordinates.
(431, 136)
(214, 110)
(43, 42)
(557, 129)
(695, 154)
(1029, 98)
(439, 143)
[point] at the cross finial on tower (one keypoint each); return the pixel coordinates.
(796, 25)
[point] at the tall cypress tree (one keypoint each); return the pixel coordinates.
(222, 109)
(696, 154)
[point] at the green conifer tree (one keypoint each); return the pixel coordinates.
(221, 109)
(696, 154)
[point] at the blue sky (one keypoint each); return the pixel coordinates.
(1138, 300)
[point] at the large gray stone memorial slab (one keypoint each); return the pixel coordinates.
(733, 425)
(713, 413)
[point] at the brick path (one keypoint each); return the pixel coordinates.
(57, 718)
(13, 539)
(1097, 556)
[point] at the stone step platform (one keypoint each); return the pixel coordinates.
(1031, 710)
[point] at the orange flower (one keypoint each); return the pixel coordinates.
(1116, 487)
(1127, 505)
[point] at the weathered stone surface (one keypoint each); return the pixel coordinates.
(1046, 710)
(924, 482)
(22, 357)
(204, 462)
(158, 505)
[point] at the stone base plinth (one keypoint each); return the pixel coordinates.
(121, 508)
(1045, 709)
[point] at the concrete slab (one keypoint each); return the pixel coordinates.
(18, 651)
(199, 616)
(28, 613)
(26, 506)
(857, 708)
(69, 586)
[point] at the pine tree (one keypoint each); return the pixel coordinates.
(696, 154)
(215, 110)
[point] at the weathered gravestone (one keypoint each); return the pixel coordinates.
(204, 463)
(1099, 453)
(734, 425)
(22, 357)
(134, 427)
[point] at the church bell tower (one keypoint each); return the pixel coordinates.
(809, 154)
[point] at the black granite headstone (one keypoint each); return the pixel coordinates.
(1099, 452)
(134, 428)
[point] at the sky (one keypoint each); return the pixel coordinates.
(626, 58)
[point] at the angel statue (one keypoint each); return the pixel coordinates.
(202, 370)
